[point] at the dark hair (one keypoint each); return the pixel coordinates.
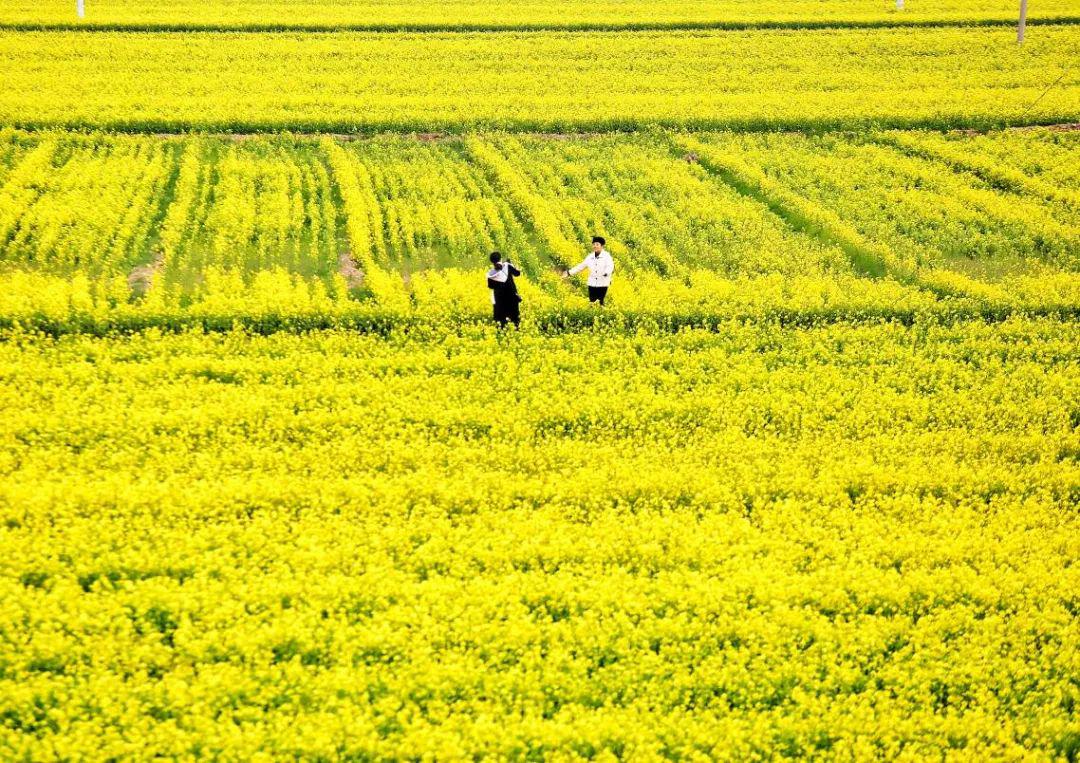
(495, 257)
(599, 240)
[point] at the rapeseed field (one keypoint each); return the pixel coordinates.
(274, 485)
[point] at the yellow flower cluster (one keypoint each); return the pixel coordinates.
(851, 541)
(550, 81)
(450, 14)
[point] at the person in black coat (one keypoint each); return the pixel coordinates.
(505, 301)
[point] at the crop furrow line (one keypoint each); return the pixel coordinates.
(868, 258)
(999, 177)
(797, 213)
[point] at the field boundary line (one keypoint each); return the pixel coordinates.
(239, 129)
(511, 28)
(461, 136)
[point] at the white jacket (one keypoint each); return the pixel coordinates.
(600, 266)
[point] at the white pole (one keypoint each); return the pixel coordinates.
(80, 8)
(1023, 22)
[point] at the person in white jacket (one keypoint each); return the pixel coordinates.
(600, 266)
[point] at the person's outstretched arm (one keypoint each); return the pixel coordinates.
(513, 271)
(578, 268)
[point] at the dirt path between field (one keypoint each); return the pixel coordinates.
(141, 277)
(350, 271)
